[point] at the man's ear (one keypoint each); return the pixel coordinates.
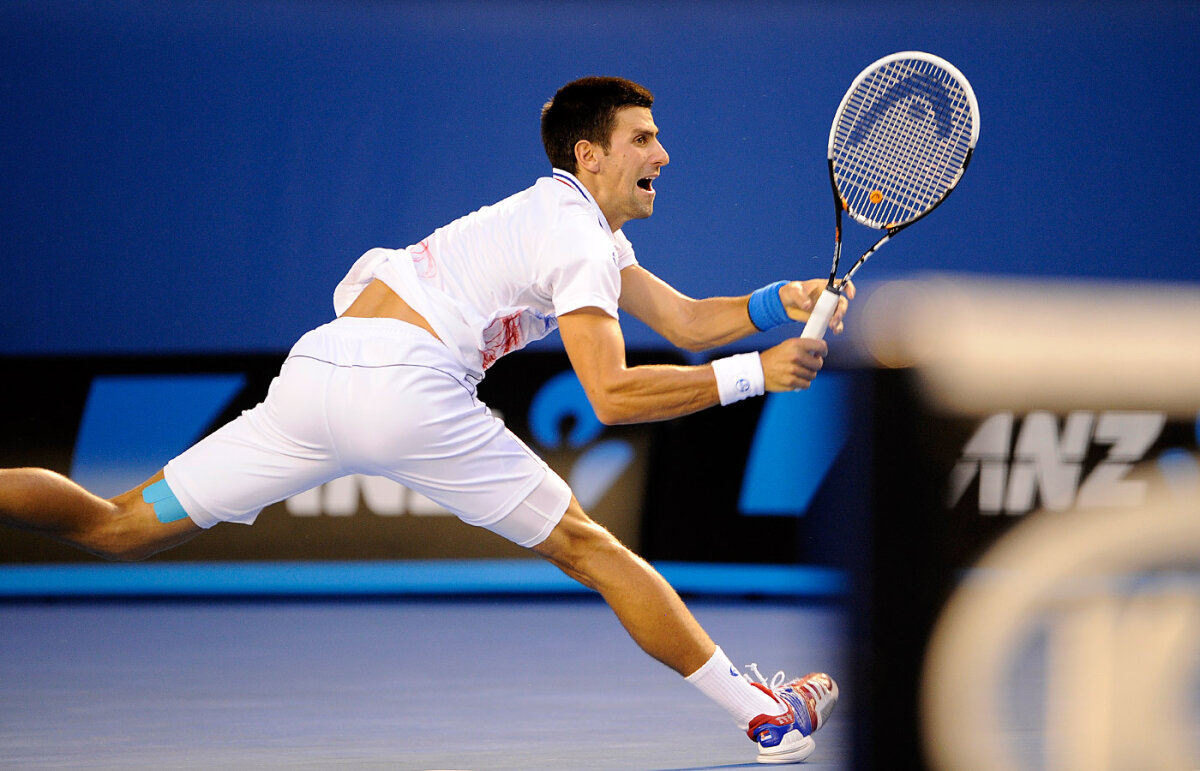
(587, 156)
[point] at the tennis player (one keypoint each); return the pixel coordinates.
(388, 388)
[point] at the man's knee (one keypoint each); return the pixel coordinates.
(120, 537)
(577, 543)
(133, 532)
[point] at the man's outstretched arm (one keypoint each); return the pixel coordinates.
(623, 394)
(700, 324)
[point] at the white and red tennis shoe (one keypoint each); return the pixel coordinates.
(787, 738)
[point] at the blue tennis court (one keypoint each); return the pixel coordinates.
(482, 684)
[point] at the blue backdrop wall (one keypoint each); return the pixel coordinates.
(196, 176)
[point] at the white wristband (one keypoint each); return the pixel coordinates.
(739, 377)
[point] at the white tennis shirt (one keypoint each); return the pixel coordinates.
(497, 279)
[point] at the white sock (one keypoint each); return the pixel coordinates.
(720, 681)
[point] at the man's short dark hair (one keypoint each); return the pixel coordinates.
(586, 109)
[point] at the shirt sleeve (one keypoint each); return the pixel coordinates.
(625, 255)
(581, 269)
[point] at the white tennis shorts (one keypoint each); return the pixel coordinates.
(379, 397)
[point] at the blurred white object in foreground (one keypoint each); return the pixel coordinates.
(982, 344)
(1074, 643)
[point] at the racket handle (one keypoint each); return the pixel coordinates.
(822, 312)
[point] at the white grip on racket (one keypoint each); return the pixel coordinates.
(822, 312)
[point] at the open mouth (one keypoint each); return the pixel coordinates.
(646, 183)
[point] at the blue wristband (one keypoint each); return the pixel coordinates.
(766, 309)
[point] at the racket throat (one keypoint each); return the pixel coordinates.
(837, 257)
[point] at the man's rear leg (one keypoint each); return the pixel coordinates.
(125, 527)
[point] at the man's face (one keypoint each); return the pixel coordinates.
(625, 181)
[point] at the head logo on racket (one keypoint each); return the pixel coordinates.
(914, 91)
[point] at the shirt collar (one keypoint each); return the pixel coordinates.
(569, 179)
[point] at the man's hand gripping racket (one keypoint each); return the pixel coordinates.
(901, 140)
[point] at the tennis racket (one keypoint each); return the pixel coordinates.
(901, 140)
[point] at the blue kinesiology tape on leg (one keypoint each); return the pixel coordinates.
(167, 507)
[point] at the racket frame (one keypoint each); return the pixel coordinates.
(827, 302)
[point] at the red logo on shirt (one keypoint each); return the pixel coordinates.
(423, 259)
(502, 336)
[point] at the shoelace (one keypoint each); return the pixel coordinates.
(776, 681)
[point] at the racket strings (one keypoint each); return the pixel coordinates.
(896, 159)
(898, 150)
(896, 175)
(901, 142)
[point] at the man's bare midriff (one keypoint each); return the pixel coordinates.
(378, 301)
